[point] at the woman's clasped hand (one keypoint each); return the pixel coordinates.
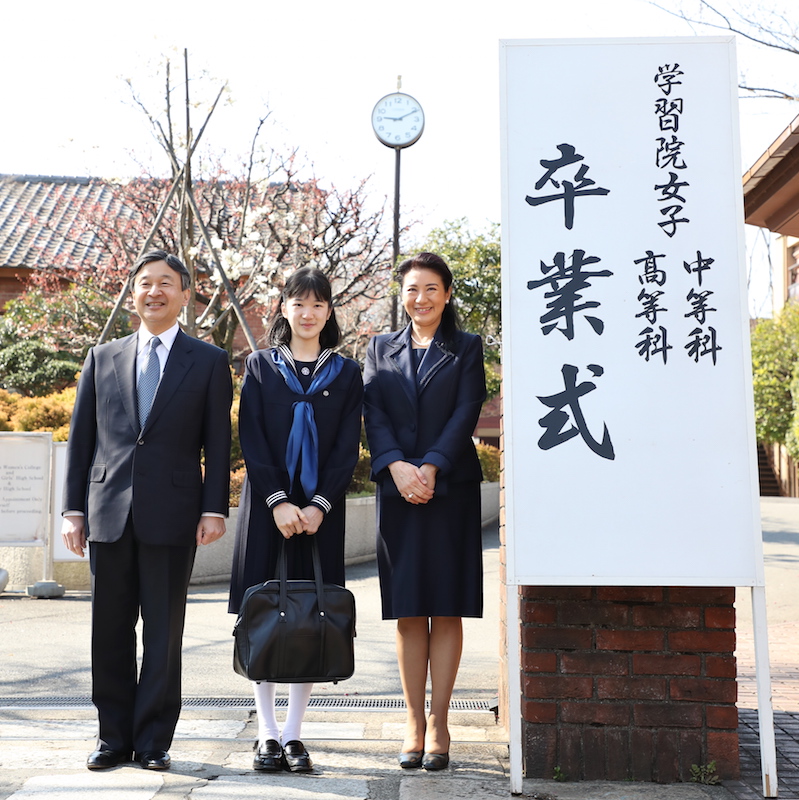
(415, 484)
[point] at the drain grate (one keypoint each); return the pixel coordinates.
(331, 703)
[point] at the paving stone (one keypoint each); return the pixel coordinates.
(47, 729)
(209, 729)
(283, 786)
(42, 756)
(118, 784)
(332, 730)
(442, 786)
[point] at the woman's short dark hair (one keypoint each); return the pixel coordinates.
(173, 262)
(305, 281)
(450, 321)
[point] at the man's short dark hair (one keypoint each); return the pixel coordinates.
(173, 262)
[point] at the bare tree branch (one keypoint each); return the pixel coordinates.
(775, 32)
(249, 229)
(767, 94)
(767, 36)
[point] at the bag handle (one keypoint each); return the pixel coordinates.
(282, 575)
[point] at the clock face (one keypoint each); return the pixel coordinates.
(398, 120)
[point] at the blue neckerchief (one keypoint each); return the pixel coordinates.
(303, 436)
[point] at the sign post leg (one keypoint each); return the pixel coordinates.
(514, 661)
(765, 711)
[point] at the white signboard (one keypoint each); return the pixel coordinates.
(24, 488)
(629, 424)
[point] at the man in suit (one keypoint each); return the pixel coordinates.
(148, 407)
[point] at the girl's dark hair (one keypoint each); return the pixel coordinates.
(450, 321)
(305, 281)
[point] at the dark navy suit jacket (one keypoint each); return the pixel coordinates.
(426, 420)
(114, 468)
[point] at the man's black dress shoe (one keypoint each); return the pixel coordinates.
(434, 761)
(104, 758)
(297, 758)
(154, 759)
(268, 757)
(412, 760)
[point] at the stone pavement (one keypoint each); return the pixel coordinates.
(780, 517)
(354, 729)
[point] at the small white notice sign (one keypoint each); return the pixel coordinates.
(24, 488)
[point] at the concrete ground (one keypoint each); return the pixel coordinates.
(354, 730)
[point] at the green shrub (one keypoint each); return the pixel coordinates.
(69, 321)
(489, 461)
(775, 351)
(236, 456)
(32, 369)
(51, 413)
(236, 482)
(8, 404)
(705, 773)
(361, 483)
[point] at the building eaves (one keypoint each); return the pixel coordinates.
(39, 220)
(771, 185)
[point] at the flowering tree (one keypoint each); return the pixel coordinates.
(264, 229)
(240, 231)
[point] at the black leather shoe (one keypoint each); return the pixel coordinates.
(104, 758)
(154, 759)
(297, 758)
(268, 757)
(434, 761)
(412, 760)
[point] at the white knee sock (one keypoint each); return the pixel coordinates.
(299, 695)
(265, 708)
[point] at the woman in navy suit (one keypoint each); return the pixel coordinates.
(424, 388)
(300, 425)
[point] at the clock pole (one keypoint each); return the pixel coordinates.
(395, 249)
(398, 122)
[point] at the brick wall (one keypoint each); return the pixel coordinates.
(622, 683)
(628, 683)
(11, 284)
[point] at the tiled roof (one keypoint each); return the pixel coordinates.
(37, 215)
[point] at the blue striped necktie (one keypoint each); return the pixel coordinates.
(148, 380)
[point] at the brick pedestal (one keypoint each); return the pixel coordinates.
(628, 683)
